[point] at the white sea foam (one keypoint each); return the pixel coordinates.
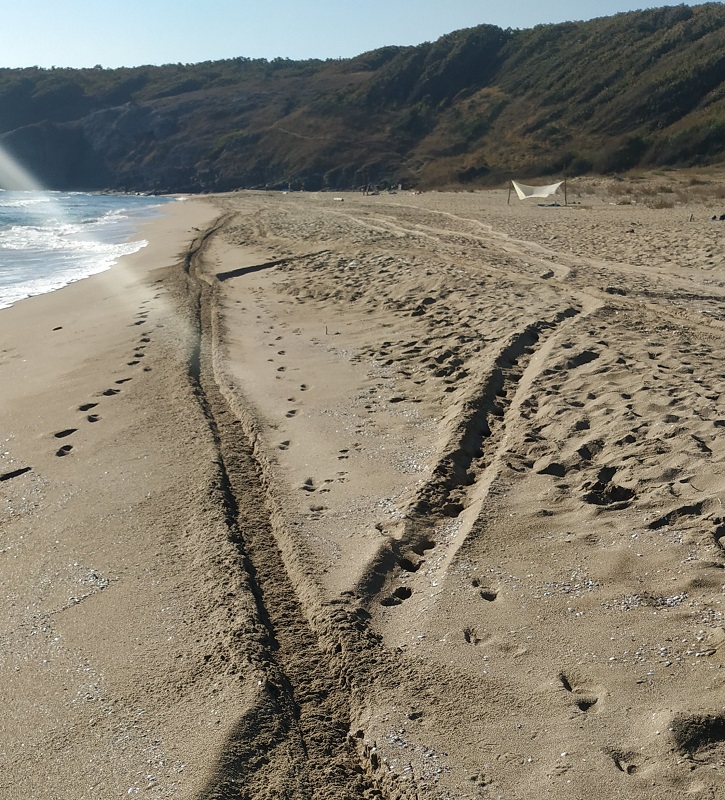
(48, 240)
(24, 202)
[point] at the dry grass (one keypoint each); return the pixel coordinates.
(657, 189)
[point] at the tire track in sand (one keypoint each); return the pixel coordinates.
(299, 739)
(472, 459)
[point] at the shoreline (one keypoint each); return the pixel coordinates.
(402, 496)
(139, 223)
(93, 547)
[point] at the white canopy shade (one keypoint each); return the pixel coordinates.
(524, 191)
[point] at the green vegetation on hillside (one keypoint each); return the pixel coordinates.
(638, 89)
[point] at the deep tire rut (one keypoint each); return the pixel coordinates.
(296, 741)
(469, 462)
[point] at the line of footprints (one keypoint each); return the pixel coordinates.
(138, 354)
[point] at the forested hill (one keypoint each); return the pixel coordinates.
(476, 106)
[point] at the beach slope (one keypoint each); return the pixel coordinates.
(401, 496)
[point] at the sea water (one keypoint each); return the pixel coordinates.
(51, 239)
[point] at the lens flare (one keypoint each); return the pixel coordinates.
(14, 176)
(49, 238)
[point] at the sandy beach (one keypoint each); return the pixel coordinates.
(405, 496)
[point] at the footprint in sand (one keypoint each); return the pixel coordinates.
(110, 392)
(583, 699)
(397, 597)
(489, 595)
(471, 636)
(63, 451)
(291, 413)
(404, 563)
(624, 760)
(700, 737)
(93, 418)
(421, 545)
(87, 406)
(131, 363)
(64, 433)
(283, 445)
(123, 380)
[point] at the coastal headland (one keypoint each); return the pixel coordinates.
(395, 496)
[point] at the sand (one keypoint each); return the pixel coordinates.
(399, 496)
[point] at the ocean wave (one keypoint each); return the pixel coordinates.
(26, 202)
(26, 284)
(29, 237)
(48, 240)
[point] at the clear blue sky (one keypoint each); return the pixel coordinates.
(83, 33)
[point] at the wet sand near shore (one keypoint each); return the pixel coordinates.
(401, 496)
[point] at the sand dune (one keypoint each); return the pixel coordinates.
(405, 496)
